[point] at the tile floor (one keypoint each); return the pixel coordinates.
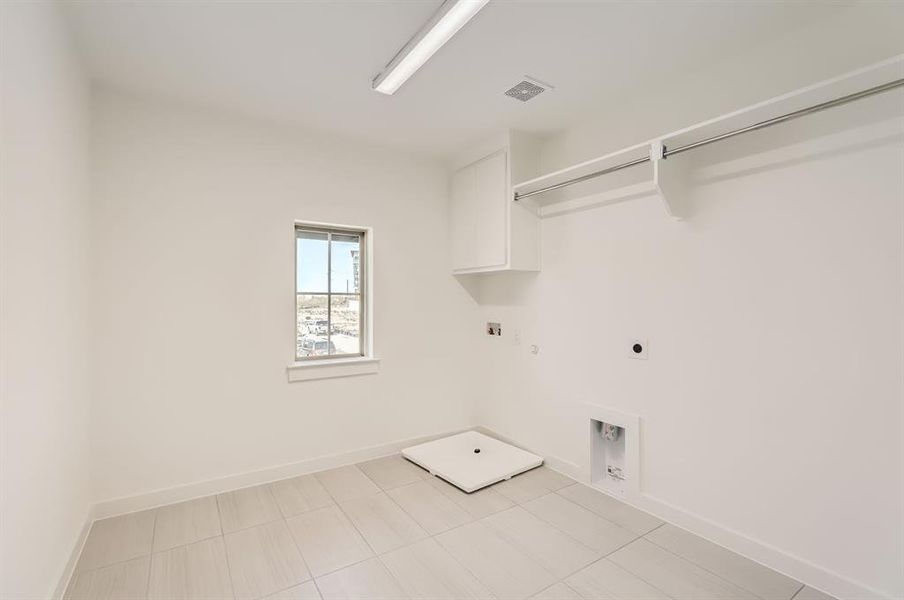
(386, 529)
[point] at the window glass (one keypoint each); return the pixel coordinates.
(346, 323)
(329, 293)
(344, 273)
(312, 262)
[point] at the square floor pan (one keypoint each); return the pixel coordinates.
(471, 460)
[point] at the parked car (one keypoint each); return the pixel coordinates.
(316, 346)
(320, 327)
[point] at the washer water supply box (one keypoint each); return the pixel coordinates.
(471, 460)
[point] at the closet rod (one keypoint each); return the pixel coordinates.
(761, 125)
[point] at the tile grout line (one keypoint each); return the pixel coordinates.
(515, 504)
(426, 477)
(550, 523)
(225, 551)
(650, 583)
(300, 553)
(369, 545)
(686, 558)
(147, 587)
(713, 573)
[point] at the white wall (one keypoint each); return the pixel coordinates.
(44, 480)
(772, 400)
(194, 251)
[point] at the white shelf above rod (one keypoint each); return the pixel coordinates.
(668, 181)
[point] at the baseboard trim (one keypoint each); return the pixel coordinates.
(797, 568)
(180, 493)
(769, 556)
(69, 569)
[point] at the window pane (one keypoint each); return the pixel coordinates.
(345, 275)
(311, 261)
(346, 320)
(312, 324)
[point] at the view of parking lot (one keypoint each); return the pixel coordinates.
(315, 336)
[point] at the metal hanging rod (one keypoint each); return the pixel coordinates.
(716, 138)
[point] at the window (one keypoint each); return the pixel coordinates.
(329, 292)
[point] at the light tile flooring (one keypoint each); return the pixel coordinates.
(386, 529)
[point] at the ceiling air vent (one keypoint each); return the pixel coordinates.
(527, 89)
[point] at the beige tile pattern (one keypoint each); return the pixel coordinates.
(197, 571)
(122, 581)
(393, 471)
(425, 570)
(604, 579)
(299, 495)
(559, 591)
(347, 483)
(429, 507)
(478, 504)
(532, 484)
(541, 540)
(368, 580)
(305, 591)
(383, 524)
(588, 528)
(264, 560)
(611, 509)
(247, 507)
(496, 562)
(328, 540)
(186, 522)
(676, 577)
(558, 553)
(808, 593)
(754, 577)
(117, 539)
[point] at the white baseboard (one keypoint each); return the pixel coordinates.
(69, 569)
(162, 497)
(795, 567)
(769, 556)
(129, 504)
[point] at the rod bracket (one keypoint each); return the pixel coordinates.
(657, 151)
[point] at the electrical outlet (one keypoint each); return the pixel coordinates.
(638, 349)
(494, 329)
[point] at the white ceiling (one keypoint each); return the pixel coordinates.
(311, 63)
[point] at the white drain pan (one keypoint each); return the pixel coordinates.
(471, 460)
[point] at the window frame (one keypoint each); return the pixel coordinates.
(365, 235)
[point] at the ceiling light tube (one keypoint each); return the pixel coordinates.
(451, 16)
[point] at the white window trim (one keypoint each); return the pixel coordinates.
(331, 368)
(328, 368)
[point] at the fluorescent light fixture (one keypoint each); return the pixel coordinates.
(451, 16)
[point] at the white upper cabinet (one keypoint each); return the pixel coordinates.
(489, 231)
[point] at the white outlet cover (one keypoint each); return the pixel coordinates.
(644, 353)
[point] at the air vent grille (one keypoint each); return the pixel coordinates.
(525, 90)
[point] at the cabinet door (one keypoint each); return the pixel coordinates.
(463, 214)
(491, 223)
(478, 214)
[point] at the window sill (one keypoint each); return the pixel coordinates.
(328, 369)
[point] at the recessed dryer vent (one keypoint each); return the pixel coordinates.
(614, 447)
